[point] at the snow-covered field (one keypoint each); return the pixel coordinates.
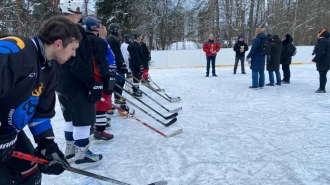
(231, 134)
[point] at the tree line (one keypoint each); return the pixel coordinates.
(168, 21)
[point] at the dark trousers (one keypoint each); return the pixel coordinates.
(323, 79)
(237, 59)
(286, 72)
(208, 60)
(19, 171)
(121, 82)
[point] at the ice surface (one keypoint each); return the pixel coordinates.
(232, 135)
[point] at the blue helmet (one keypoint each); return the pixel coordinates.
(91, 24)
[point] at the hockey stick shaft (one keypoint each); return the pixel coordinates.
(39, 160)
(165, 124)
(162, 89)
(145, 85)
(165, 117)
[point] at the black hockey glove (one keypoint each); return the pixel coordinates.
(124, 69)
(49, 150)
(8, 136)
(109, 82)
(96, 92)
(129, 75)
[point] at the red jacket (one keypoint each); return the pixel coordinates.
(209, 45)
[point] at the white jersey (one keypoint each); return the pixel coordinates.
(125, 53)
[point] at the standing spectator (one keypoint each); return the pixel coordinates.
(257, 60)
(240, 47)
(322, 58)
(273, 61)
(211, 48)
(286, 57)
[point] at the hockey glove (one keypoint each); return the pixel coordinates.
(8, 137)
(95, 93)
(129, 75)
(51, 152)
(124, 69)
(112, 67)
(108, 83)
(145, 74)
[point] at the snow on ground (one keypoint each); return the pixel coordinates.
(231, 134)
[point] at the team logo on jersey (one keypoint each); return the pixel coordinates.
(11, 44)
(24, 113)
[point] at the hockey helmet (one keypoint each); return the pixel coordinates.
(114, 28)
(136, 35)
(127, 38)
(91, 24)
(71, 6)
(124, 108)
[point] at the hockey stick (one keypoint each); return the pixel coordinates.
(175, 98)
(146, 86)
(144, 123)
(165, 117)
(35, 159)
(165, 124)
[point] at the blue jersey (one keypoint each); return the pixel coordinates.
(110, 55)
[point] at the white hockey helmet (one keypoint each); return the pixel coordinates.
(71, 6)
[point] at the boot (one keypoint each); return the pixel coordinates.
(69, 151)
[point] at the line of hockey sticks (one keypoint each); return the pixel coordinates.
(178, 98)
(165, 124)
(165, 117)
(145, 85)
(144, 123)
(39, 160)
(170, 111)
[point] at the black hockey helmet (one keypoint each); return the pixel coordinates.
(136, 35)
(91, 24)
(114, 29)
(127, 38)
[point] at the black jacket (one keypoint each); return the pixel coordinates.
(322, 52)
(275, 55)
(287, 50)
(135, 52)
(238, 46)
(27, 90)
(77, 73)
(115, 47)
(145, 55)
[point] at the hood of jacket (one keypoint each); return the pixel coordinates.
(288, 39)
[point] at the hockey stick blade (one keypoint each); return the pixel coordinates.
(159, 183)
(174, 133)
(175, 99)
(171, 116)
(175, 110)
(170, 123)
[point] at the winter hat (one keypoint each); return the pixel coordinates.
(275, 37)
(240, 36)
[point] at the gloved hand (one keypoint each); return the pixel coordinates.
(108, 83)
(8, 136)
(129, 75)
(124, 69)
(95, 93)
(145, 74)
(51, 152)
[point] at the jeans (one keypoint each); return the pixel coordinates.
(323, 79)
(286, 72)
(255, 76)
(271, 77)
(237, 59)
(208, 60)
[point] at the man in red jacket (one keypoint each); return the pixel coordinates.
(211, 48)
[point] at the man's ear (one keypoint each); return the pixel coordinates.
(57, 43)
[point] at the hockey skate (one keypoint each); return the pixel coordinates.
(120, 101)
(100, 136)
(84, 158)
(69, 151)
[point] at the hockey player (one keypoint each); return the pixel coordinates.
(127, 39)
(135, 62)
(77, 93)
(145, 58)
(28, 80)
(121, 66)
(102, 75)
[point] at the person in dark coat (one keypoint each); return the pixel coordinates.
(273, 61)
(322, 58)
(257, 60)
(240, 47)
(286, 57)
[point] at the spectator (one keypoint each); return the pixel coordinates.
(322, 58)
(211, 48)
(240, 47)
(286, 53)
(257, 60)
(273, 61)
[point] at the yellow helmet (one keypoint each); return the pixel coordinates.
(125, 108)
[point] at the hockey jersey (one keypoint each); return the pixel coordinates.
(27, 89)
